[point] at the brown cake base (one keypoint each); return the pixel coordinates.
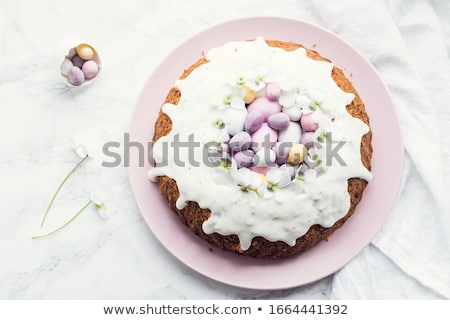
(193, 217)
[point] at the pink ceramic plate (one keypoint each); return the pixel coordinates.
(326, 257)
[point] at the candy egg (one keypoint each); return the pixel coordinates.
(249, 95)
(265, 106)
(75, 76)
(273, 91)
(297, 154)
(281, 150)
(262, 170)
(253, 121)
(264, 157)
(78, 61)
(307, 138)
(291, 134)
(278, 121)
(90, 69)
(240, 141)
(244, 158)
(307, 122)
(264, 137)
(85, 51)
(66, 65)
(294, 112)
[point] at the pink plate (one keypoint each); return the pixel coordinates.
(326, 257)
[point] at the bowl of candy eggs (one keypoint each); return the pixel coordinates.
(81, 65)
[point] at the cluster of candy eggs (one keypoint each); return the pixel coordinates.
(80, 65)
(271, 137)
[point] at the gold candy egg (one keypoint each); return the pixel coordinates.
(249, 95)
(85, 51)
(297, 154)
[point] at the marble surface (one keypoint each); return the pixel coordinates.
(41, 121)
(94, 258)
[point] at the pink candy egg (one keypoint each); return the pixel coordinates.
(265, 106)
(262, 170)
(307, 122)
(273, 91)
(90, 69)
(264, 137)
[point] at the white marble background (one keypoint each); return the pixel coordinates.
(95, 258)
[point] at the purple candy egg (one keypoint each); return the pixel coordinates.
(244, 158)
(78, 61)
(278, 121)
(265, 106)
(240, 141)
(75, 76)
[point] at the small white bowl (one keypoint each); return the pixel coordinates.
(67, 50)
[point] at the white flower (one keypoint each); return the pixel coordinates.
(294, 98)
(102, 210)
(297, 186)
(260, 77)
(230, 96)
(81, 151)
(248, 182)
(309, 175)
(278, 178)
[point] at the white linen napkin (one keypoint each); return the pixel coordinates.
(404, 40)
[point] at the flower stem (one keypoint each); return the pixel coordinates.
(66, 224)
(60, 187)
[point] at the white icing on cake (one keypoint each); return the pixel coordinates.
(246, 203)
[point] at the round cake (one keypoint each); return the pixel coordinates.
(263, 148)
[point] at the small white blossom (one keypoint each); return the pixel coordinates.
(102, 210)
(231, 96)
(81, 151)
(248, 183)
(294, 98)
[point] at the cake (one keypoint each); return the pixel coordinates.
(262, 148)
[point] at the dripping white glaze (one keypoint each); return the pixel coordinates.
(288, 214)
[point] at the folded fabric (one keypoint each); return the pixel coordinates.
(404, 41)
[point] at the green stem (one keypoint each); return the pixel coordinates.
(60, 187)
(66, 224)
